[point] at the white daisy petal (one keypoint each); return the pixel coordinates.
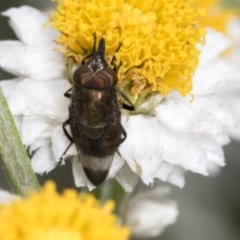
(43, 159)
(127, 178)
(148, 214)
(31, 98)
(142, 149)
(215, 44)
(35, 128)
(117, 164)
(222, 138)
(214, 151)
(34, 62)
(172, 174)
(205, 114)
(183, 150)
(206, 79)
(8, 86)
(27, 23)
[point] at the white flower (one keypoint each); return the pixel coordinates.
(178, 134)
(149, 213)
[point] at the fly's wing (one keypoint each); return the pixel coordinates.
(95, 168)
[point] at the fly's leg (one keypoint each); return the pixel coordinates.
(124, 135)
(65, 130)
(129, 107)
(115, 67)
(64, 153)
(67, 94)
(69, 138)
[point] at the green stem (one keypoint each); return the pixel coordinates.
(15, 159)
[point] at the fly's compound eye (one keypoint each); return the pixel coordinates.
(102, 79)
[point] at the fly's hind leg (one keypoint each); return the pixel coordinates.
(69, 138)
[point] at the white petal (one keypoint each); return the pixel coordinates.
(8, 86)
(127, 178)
(208, 77)
(43, 159)
(142, 149)
(185, 150)
(223, 138)
(214, 151)
(172, 174)
(215, 44)
(148, 215)
(6, 198)
(206, 114)
(27, 23)
(35, 128)
(37, 63)
(117, 164)
(80, 178)
(31, 98)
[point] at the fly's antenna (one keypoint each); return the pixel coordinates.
(116, 68)
(94, 42)
(101, 46)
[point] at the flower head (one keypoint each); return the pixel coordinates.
(167, 135)
(158, 39)
(48, 215)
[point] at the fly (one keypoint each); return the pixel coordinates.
(95, 114)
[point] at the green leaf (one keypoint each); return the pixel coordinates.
(15, 158)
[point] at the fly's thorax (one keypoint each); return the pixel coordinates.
(95, 107)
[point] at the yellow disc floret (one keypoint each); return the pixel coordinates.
(158, 38)
(50, 216)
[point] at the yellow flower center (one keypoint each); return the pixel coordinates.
(158, 39)
(49, 216)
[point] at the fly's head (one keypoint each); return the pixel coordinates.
(95, 73)
(97, 61)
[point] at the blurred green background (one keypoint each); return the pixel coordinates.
(209, 206)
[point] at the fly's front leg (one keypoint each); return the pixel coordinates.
(67, 94)
(129, 107)
(69, 138)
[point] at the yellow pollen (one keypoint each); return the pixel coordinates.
(49, 216)
(158, 39)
